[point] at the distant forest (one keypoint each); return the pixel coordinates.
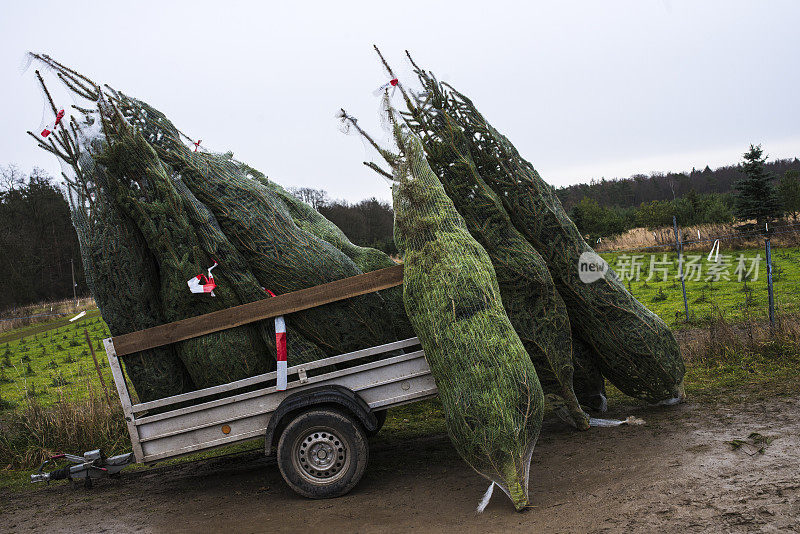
(38, 246)
(603, 208)
(368, 223)
(631, 192)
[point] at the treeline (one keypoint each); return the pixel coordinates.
(595, 220)
(609, 207)
(37, 240)
(631, 192)
(368, 223)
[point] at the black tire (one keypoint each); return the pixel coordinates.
(322, 453)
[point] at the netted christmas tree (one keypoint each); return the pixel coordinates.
(119, 268)
(636, 350)
(529, 296)
(492, 398)
(193, 209)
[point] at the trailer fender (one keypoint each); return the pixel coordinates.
(332, 396)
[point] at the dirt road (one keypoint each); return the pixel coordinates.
(675, 474)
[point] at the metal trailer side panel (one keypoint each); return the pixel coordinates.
(382, 384)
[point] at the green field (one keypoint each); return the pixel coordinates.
(40, 363)
(735, 300)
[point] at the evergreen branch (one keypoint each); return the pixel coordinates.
(46, 92)
(41, 143)
(390, 158)
(77, 77)
(75, 88)
(376, 168)
(391, 73)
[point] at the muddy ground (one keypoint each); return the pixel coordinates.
(675, 474)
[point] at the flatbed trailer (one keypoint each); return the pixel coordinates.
(317, 427)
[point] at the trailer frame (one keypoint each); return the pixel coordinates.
(241, 416)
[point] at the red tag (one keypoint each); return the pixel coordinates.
(48, 129)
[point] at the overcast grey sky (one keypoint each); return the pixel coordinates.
(583, 89)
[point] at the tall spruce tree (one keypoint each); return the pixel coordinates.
(755, 194)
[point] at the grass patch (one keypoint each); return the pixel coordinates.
(34, 432)
(728, 362)
(412, 421)
(51, 360)
(708, 298)
(12, 334)
(725, 359)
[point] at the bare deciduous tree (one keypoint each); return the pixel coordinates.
(11, 177)
(316, 198)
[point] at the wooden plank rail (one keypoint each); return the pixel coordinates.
(259, 310)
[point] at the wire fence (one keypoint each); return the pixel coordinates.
(737, 276)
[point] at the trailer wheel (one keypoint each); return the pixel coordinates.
(322, 453)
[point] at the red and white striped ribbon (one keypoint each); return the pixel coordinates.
(280, 343)
(50, 127)
(203, 283)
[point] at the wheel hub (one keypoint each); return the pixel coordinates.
(321, 456)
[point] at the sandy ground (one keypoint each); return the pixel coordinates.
(675, 474)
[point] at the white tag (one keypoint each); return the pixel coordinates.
(714, 247)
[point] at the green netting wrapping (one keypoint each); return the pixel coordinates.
(637, 351)
(492, 399)
(141, 187)
(244, 284)
(124, 282)
(367, 259)
(284, 257)
(529, 295)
